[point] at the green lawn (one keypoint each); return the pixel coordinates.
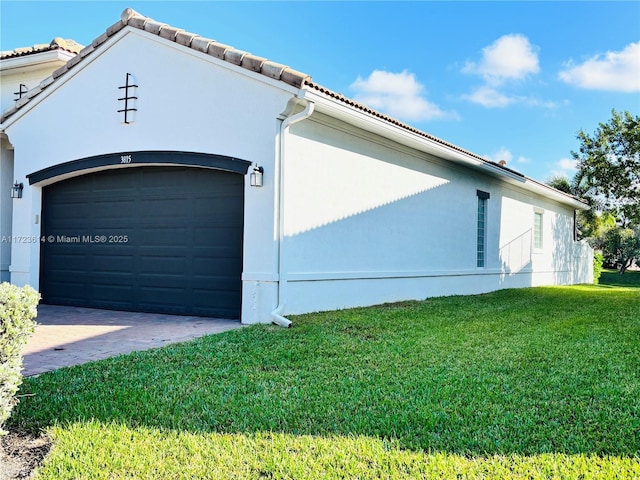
(629, 279)
(532, 384)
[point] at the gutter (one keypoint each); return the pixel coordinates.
(277, 314)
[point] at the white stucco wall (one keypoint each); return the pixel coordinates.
(10, 82)
(368, 221)
(187, 101)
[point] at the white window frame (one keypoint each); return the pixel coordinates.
(481, 237)
(537, 240)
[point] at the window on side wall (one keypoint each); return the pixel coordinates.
(481, 230)
(538, 223)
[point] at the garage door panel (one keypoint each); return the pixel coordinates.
(159, 264)
(169, 300)
(153, 209)
(109, 291)
(112, 263)
(201, 298)
(71, 285)
(163, 237)
(183, 247)
(111, 208)
(67, 261)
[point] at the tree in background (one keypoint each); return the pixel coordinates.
(592, 224)
(562, 183)
(621, 246)
(608, 174)
(608, 179)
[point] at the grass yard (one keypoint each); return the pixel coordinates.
(612, 278)
(539, 383)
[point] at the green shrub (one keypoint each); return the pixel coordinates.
(17, 311)
(598, 260)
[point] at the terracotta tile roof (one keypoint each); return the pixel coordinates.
(131, 18)
(57, 43)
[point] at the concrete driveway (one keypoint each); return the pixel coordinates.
(68, 336)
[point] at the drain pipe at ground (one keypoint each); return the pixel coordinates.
(276, 315)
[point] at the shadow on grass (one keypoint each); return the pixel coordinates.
(526, 372)
(613, 278)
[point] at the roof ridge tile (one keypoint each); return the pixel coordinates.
(200, 44)
(100, 40)
(151, 26)
(185, 38)
(217, 49)
(234, 56)
(73, 62)
(46, 82)
(86, 50)
(115, 28)
(253, 62)
(60, 71)
(169, 33)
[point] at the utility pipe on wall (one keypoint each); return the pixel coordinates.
(276, 315)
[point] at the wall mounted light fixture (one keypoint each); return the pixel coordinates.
(16, 190)
(255, 179)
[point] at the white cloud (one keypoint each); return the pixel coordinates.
(489, 97)
(511, 57)
(567, 163)
(614, 71)
(504, 154)
(534, 102)
(565, 167)
(397, 94)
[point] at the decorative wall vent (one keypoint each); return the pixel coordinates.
(129, 99)
(22, 89)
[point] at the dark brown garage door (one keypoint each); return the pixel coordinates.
(149, 239)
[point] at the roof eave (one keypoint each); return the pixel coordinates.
(50, 58)
(353, 116)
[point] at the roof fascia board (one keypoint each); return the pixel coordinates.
(35, 60)
(339, 110)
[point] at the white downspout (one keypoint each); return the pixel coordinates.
(276, 315)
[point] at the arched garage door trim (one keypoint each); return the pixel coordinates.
(206, 160)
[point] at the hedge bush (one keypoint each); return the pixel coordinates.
(598, 260)
(17, 313)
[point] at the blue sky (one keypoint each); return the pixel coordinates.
(506, 80)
